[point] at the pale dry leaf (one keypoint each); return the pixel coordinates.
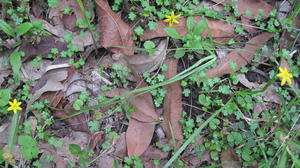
(172, 108)
(240, 57)
(138, 137)
(53, 84)
(58, 30)
(145, 63)
(114, 31)
(229, 159)
(218, 30)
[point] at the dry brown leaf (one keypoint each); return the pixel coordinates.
(59, 161)
(218, 30)
(154, 153)
(253, 5)
(173, 104)
(114, 31)
(77, 123)
(69, 21)
(120, 147)
(52, 84)
(240, 57)
(138, 137)
(145, 63)
(42, 48)
(144, 108)
(229, 159)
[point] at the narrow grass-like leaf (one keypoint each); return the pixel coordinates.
(6, 28)
(172, 33)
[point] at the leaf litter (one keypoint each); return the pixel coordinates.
(140, 133)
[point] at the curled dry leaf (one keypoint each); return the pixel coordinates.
(138, 137)
(218, 30)
(145, 63)
(240, 57)
(173, 104)
(114, 31)
(229, 159)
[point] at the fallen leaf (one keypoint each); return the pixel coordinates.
(144, 108)
(120, 147)
(138, 137)
(218, 30)
(78, 138)
(58, 160)
(114, 31)
(229, 159)
(253, 5)
(52, 84)
(154, 153)
(105, 161)
(172, 107)
(145, 63)
(240, 57)
(42, 48)
(77, 123)
(78, 39)
(69, 21)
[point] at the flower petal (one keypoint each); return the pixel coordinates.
(175, 21)
(167, 20)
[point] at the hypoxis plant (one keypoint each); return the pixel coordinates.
(7, 155)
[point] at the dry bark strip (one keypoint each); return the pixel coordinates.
(173, 104)
(240, 57)
(114, 31)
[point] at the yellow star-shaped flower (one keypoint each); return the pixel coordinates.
(171, 19)
(285, 76)
(14, 106)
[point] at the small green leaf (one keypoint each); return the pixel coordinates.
(173, 33)
(15, 62)
(190, 23)
(75, 149)
(23, 28)
(200, 26)
(4, 96)
(6, 28)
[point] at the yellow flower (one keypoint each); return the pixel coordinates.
(285, 76)
(171, 19)
(14, 106)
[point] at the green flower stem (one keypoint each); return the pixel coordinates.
(13, 132)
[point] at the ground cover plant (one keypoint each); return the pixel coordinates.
(157, 83)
